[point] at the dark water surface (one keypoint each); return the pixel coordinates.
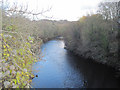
(61, 69)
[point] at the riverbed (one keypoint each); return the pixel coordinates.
(59, 68)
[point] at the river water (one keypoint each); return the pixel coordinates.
(59, 68)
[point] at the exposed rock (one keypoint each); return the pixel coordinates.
(6, 84)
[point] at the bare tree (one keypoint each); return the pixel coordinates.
(108, 10)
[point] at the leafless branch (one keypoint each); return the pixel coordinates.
(24, 10)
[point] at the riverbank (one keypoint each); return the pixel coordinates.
(114, 66)
(16, 63)
(60, 68)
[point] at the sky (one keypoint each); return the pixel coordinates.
(70, 10)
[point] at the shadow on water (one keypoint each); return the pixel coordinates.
(95, 75)
(62, 69)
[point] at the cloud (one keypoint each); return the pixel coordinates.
(62, 9)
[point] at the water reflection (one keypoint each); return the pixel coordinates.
(61, 69)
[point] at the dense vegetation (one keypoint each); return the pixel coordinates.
(18, 53)
(96, 36)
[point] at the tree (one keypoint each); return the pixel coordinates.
(108, 10)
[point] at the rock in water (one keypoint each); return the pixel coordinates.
(36, 75)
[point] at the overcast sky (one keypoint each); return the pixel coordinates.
(70, 10)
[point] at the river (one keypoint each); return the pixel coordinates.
(59, 68)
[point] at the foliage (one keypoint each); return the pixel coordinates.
(95, 36)
(17, 54)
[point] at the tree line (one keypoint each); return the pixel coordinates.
(96, 36)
